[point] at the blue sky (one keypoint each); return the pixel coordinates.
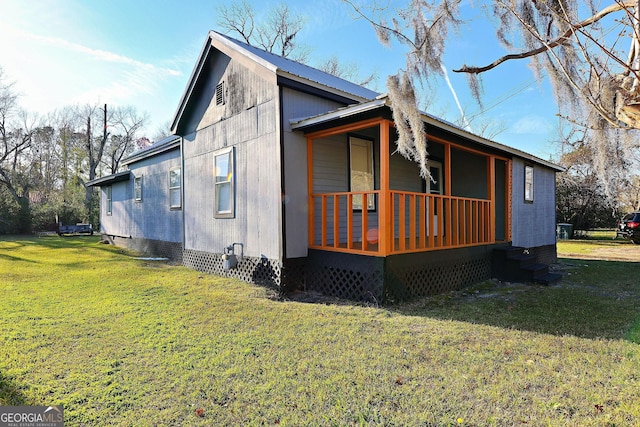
(141, 53)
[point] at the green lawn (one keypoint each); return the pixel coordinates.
(127, 342)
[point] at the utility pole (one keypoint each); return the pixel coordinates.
(89, 145)
(105, 123)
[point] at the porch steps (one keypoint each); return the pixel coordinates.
(515, 264)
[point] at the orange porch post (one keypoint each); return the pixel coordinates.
(385, 228)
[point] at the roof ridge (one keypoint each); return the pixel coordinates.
(277, 62)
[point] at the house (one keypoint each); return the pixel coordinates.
(293, 173)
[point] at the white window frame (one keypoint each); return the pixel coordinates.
(528, 184)
(109, 197)
(174, 188)
(137, 188)
(358, 179)
(224, 179)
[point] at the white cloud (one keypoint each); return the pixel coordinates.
(52, 72)
(531, 124)
(98, 54)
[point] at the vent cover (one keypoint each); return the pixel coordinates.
(220, 94)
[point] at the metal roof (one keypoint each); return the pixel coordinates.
(296, 70)
(165, 144)
(280, 66)
(110, 179)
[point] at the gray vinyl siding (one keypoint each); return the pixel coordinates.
(116, 223)
(248, 121)
(404, 174)
(501, 199)
(295, 200)
(468, 174)
(330, 175)
(533, 224)
(153, 218)
(244, 89)
(256, 223)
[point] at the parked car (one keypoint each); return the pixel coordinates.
(629, 227)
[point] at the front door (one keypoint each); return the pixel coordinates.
(434, 186)
(435, 169)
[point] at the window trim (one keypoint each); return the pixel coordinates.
(178, 187)
(109, 197)
(528, 183)
(231, 213)
(357, 199)
(137, 185)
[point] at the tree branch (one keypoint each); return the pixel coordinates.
(554, 43)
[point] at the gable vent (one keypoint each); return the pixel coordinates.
(220, 93)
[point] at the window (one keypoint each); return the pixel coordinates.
(109, 201)
(528, 183)
(175, 196)
(137, 188)
(220, 95)
(224, 184)
(361, 168)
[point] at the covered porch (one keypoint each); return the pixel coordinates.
(366, 199)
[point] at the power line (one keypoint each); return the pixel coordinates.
(504, 98)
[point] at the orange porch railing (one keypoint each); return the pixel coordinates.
(421, 222)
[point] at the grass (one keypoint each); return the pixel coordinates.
(597, 234)
(127, 342)
(592, 242)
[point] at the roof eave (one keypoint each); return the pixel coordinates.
(331, 90)
(302, 124)
(152, 151)
(193, 78)
(489, 143)
(341, 113)
(110, 179)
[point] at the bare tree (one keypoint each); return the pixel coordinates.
(276, 33)
(238, 18)
(162, 131)
(109, 135)
(17, 130)
(348, 71)
(46, 162)
(71, 139)
(95, 141)
(591, 54)
(125, 124)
